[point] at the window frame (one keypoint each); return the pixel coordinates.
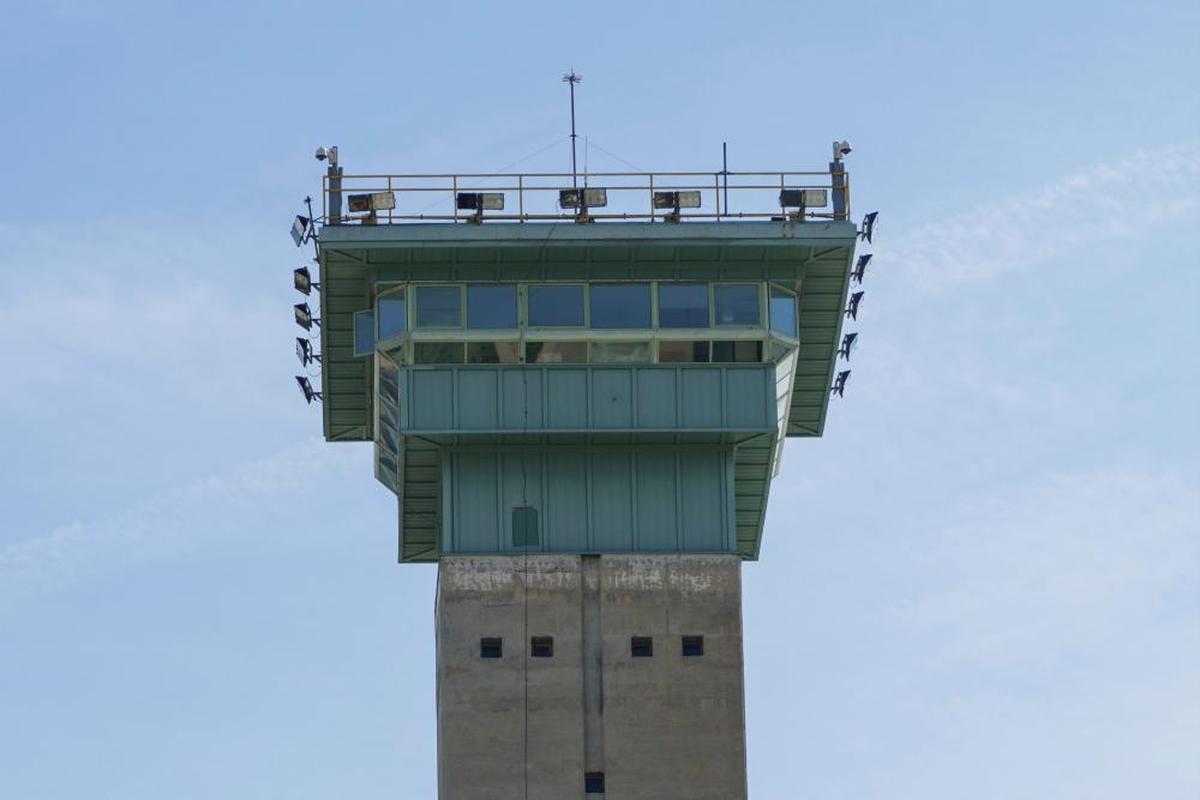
(794, 336)
(415, 300)
(760, 325)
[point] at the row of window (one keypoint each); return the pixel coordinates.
(619, 352)
(603, 306)
(543, 646)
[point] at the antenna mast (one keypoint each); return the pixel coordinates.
(572, 79)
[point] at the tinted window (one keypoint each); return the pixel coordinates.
(392, 318)
(364, 333)
(621, 352)
(693, 646)
(492, 353)
(593, 783)
(682, 352)
(736, 351)
(621, 305)
(438, 353)
(555, 306)
(492, 306)
(555, 352)
(439, 306)
(682, 305)
(783, 312)
(736, 304)
(490, 647)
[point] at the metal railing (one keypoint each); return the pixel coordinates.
(532, 197)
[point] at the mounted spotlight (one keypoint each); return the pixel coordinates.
(848, 342)
(304, 352)
(301, 230)
(479, 201)
(676, 201)
(841, 150)
(860, 269)
(839, 383)
(304, 317)
(852, 308)
(375, 201)
(802, 199)
(868, 226)
(582, 198)
(310, 394)
(303, 281)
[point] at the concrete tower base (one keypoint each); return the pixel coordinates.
(567, 701)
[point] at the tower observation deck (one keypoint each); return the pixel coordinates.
(578, 388)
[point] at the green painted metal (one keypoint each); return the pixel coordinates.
(812, 259)
(590, 500)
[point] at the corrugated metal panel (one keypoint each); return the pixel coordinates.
(591, 500)
(474, 399)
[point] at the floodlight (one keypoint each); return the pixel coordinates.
(303, 281)
(848, 342)
(868, 226)
(840, 150)
(304, 317)
(839, 383)
(480, 201)
(375, 201)
(301, 228)
(803, 198)
(592, 198)
(852, 309)
(677, 200)
(860, 269)
(304, 352)
(310, 394)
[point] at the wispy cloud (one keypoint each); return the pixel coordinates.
(182, 520)
(1106, 201)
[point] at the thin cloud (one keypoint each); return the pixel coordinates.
(164, 526)
(1114, 200)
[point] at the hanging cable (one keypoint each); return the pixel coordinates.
(505, 168)
(635, 167)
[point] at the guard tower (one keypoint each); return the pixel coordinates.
(578, 388)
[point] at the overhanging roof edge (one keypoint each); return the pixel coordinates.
(540, 233)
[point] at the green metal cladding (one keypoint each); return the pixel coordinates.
(647, 457)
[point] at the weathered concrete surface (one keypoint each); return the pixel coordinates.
(482, 708)
(659, 727)
(674, 727)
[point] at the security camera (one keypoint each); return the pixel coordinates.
(327, 153)
(840, 149)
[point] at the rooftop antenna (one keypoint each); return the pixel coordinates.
(572, 79)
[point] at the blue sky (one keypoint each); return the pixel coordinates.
(984, 581)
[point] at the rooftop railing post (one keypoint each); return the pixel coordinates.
(837, 175)
(335, 194)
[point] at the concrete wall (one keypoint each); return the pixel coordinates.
(667, 726)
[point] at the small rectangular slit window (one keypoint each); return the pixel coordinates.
(541, 646)
(491, 647)
(641, 646)
(593, 783)
(693, 646)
